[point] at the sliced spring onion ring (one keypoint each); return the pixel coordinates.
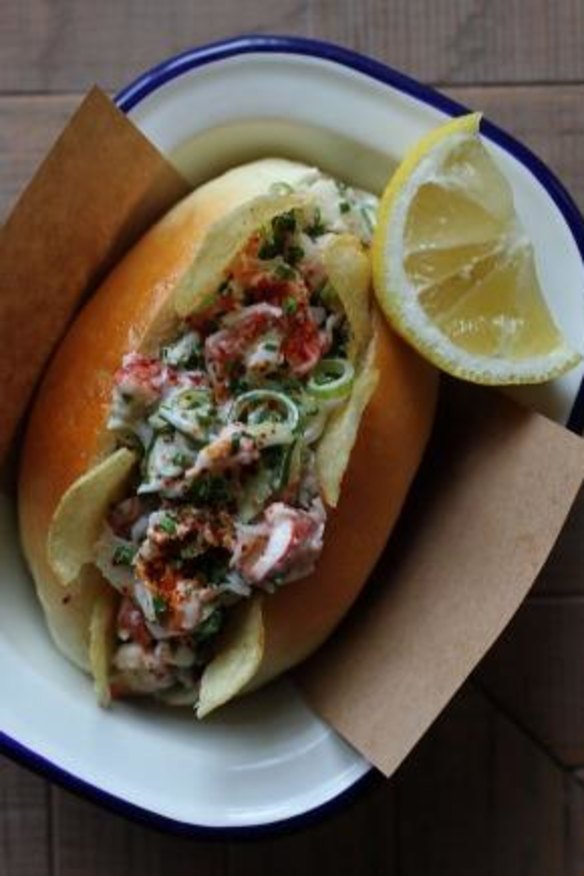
(269, 434)
(257, 397)
(331, 379)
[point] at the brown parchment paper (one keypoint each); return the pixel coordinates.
(493, 494)
(488, 505)
(98, 189)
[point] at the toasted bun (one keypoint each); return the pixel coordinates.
(66, 433)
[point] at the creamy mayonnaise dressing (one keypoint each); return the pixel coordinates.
(226, 418)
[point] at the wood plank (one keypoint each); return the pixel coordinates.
(478, 797)
(562, 573)
(462, 40)
(536, 672)
(574, 794)
(28, 128)
(358, 839)
(548, 119)
(89, 841)
(25, 847)
(66, 46)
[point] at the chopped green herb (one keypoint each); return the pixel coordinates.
(368, 219)
(190, 550)
(290, 305)
(268, 250)
(214, 565)
(344, 206)
(224, 287)
(284, 271)
(317, 229)
(275, 239)
(270, 347)
(238, 385)
(294, 254)
(210, 489)
(283, 223)
(277, 461)
(167, 524)
(123, 555)
(210, 626)
(235, 442)
(284, 472)
(159, 604)
(181, 459)
(126, 397)
(272, 456)
(289, 385)
(340, 341)
(195, 360)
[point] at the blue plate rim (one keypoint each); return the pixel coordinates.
(70, 782)
(127, 99)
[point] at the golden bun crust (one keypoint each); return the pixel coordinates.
(66, 432)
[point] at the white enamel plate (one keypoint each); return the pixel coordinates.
(267, 759)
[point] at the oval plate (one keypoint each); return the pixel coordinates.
(266, 761)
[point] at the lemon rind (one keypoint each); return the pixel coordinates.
(420, 332)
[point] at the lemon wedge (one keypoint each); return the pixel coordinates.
(454, 270)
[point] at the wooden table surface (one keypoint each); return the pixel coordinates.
(494, 789)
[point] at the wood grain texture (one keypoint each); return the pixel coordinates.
(25, 839)
(574, 827)
(461, 40)
(28, 128)
(359, 839)
(548, 119)
(68, 45)
(91, 842)
(562, 573)
(536, 672)
(479, 798)
(64, 45)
